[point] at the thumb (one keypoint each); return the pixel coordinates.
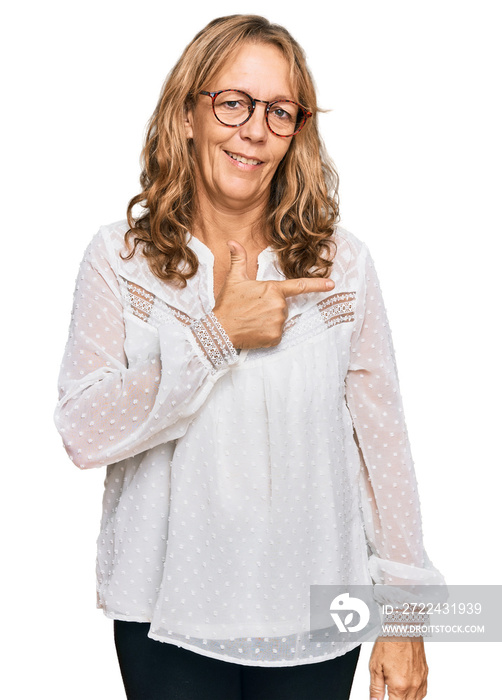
(238, 261)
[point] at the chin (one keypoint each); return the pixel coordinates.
(241, 195)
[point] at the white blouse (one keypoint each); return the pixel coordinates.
(235, 481)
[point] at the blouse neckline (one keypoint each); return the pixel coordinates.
(204, 252)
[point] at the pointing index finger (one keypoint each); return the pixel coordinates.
(305, 285)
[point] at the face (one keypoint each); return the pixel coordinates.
(228, 183)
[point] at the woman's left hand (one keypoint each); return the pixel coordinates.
(401, 666)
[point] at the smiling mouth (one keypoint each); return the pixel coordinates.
(241, 159)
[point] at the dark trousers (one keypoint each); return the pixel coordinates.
(154, 670)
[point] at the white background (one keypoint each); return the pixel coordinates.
(414, 129)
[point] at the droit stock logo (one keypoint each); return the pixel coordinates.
(344, 605)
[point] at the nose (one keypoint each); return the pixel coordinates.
(256, 127)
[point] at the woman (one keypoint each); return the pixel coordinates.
(230, 362)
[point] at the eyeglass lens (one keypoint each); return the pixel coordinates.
(233, 107)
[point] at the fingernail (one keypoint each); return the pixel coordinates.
(329, 285)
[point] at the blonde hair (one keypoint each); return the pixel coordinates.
(303, 205)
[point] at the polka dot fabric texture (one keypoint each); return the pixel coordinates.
(236, 480)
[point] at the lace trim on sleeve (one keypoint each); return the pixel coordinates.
(404, 624)
(214, 342)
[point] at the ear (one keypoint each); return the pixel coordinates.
(188, 120)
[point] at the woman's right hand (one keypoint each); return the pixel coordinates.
(253, 312)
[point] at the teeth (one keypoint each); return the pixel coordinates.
(247, 161)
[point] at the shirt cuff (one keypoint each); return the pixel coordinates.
(212, 340)
(401, 623)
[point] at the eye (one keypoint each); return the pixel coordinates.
(282, 113)
(230, 101)
(233, 104)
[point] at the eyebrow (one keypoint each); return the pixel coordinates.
(274, 99)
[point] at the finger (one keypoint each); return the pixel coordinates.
(377, 684)
(305, 285)
(238, 261)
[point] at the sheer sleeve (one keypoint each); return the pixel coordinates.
(111, 408)
(389, 496)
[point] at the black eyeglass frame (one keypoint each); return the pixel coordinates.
(269, 105)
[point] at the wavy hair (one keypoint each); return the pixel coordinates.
(303, 205)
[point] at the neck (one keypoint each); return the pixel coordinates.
(215, 225)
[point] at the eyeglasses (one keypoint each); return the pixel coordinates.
(234, 108)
